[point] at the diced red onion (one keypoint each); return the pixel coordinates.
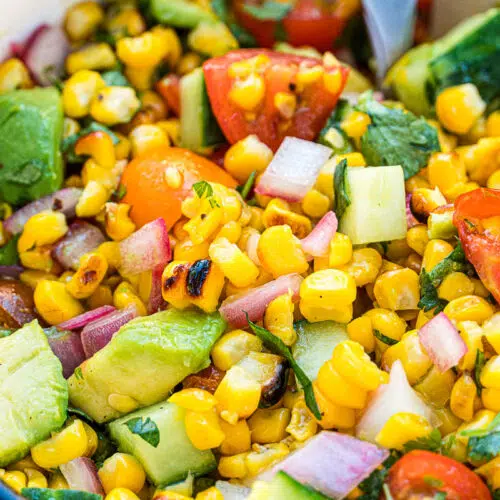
(63, 201)
(411, 220)
(293, 170)
(87, 317)
(255, 301)
(67, 346)
(11, 271)
(156, 302)
(317, 242)
(145, 249)
(331, 463)
(81, 475)
(81, 238)
(395, 397)
(99, 333)
(18, 49)
(442, 342)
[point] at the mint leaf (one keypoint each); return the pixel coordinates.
(269, 10)
(341, 188)
(146, 429)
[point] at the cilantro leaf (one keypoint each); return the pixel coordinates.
(115, 78)
(146, 429)
(384, 338)
(486, 447)
(341, 188)
(276, 345)
(396, 137)
(440, 495)
(78, 373)
(8, 252)
(269, 10)
(203, 189)
(332, 134)
(478, 366)
(373, 485)
(429, 298)
(432, 442)
(247, 187)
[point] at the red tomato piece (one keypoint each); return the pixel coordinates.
(280, 73)
(168, 88)
(477, 218)
(423, 473)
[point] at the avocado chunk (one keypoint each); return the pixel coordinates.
(180, 13)
(174, 457)
(284, 487)
(31, 123)
(49, 494)
(144, 361)
(33, 392)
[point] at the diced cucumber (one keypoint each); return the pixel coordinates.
(377, 210)
(180, 13)
(284, 487)
(441, 226)
(199, 128)
(315, 344)
(174, 457)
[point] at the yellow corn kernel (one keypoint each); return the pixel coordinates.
(449, 422)
(302, 424)
(91, 271)
(263, 456)
(285, 103)
(417, 238)
(58, 482)
(35, 478)
(187, 250)
(490, 374)
(481, 421)
(491, 329)
(435, 252)
(236, 266)
(121, 494)
(92, 200)
(364, 266)
(494, 180)
(140, 78)
(398, 290)
(436, 387)
(122, 470)
(54, 303)
(278, 319)
(314, 313)
(33, 277)
(332, 415)
(203, 429)
(308, 75)
(233, 467)
(194, 399)
(491, 472)
(96, 56)
(341, 251)
(332, 80)
(401, 428)
(355, 124)
(118, 223)
(248, 93)
(39, 258)
(188, 62)
(315, 204)
(231, 231)
(493, 124)
(99, 146)
(353, 159)
(472, 335)
(237, 437)
(146, 137)
(320, 263)
(78, 92)
(66, 445)
(360, 330)
(122, 149)
(469, 308)
(172, 42)
(278, 213)
(127, 22)
(425, 200)
(280, 252)
(446, 171)
(232, 347)
(455, 285)
(269, 426)
(388, 323)
(14, 75)
(244, 68)
(15, 479)
(324, 182)
(491, 399)
(459, 107)
(111, 252)
(397, 249)
(43, 228)
(172, 128)
(82, 20)
(102, 296)
(211, 38)
(463, 396)
(92, 440)
(448, 142)
(125, 295)
(238, 395)
(210, 494)
(107, 178)
(482, 159)
(73, 181)
(200, 228)
(113, 105)
(143, 51)
(174, 284)
(330, 286)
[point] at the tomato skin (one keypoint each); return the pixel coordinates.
(482, 249)
(414, 473)
(147, 190)
(316, 103)
(169, 88)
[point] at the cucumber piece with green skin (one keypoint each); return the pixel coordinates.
(441, 226)
(180, 13)
(284, 487)
(50, 494)
(377, 210)
(315, 344)
(199, 128)
(175, 456)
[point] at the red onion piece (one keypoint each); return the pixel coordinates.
(63, 201)
(317, 242)
(442, 342)
(293, 170)
(145, 249)
(255, 301)
(87, 317)
(331, 463)
(81, 238)
(11, 271)
(67, 346)
(18, 49)
(99, 333)
(156, 301)
(411, 220)
(81, 474)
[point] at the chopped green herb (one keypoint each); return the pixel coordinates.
(495, 423)
(484, 448)
(387, 492)
(146, 429)
(245, 39)
(342, 190)
(384, 338)
(269, 10)
(440, 495)
(120, 192)
(115, 79)
(332, 134)
(432, 442)
(373, 485)
(5, 332)
(8, 252)
(280, 34)
(247, 187)
(78, 373)
(433, 481)
(478, 366)
(105, 448)
(203, 189)
(80, 413)
(429, 298)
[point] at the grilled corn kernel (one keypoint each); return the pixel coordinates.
(398, 290)
(92, 200)
(113, 105)
(99, 146)
(446, 171)
(203, 429)
(315, 204)
(15, 479)
(35, 478)
(491, 399)
(54, 303)
(330, 286)
(232, 347)
(66, 445)
(233, 467)
(332, 415)
(280, 252)
(248, 93)
(401, 428)
(364, 266)
(82, 20)
(435, 252)
(341, 251)
(14, 75)
(125, 295)
(263, 456)
(237, 437)
(355, 124)
(361, 330)
(269, 426)
(194, 399)
(238, 395)
(121, 494)
(41, 229)
(143, 51)
(96, 56)
(469, 308)
(472, 335)
(463, 396)
(436, 387)
(425, 200)
(122, 470)
(188, 62)
(455, 285)
(118, 223)
(302, 424)
(212, 39)
(278, 213)
(278, 319)
(146, 137)
(201, 227)
(459, 107)
(417, 238)
(91, 271)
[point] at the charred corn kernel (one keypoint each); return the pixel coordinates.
(58, 482)
(472, 335)
(332, 415)
(15, 479)
(91, 271)
(324, 181)
(355, 124)
(99, 146)
(491, 399)
(285, 103)
(332, 80)
(121, 494)
(237, 437)
(425, 200)
(401, 428)
(35, 479)
(127, 22)
(188, 62)
(278, 319)
(54, 303)
(491, 472)
(278, 213)
(113, 105)
(455, 285)
(82, 20)
(143, 51)
(122, 470)
(469, 308)
(118, 223)
(211, 38)
(398, 290)
(435, 252)
(308, 75)
(210, 494)
(364, 266)
(459, 107)
(236, 266)
(194, 399)
(203, 429)
(462, 399)
(233, 467)
(33, 277)
(238, 395)
(232, 347)
(187, 250)
(327, 287)
(174, 283)
(111, 252)
(302, 424)
(481, 421)
(361, 330)
(269, 426)
(446, 171)
(417, 238)
(66, 445)
(353, 159)
(315, 204)
(248, 93)
(436, 387)
(493, 124)
(92, 200)
(146, 137)
(39, 258)
(125, 295)
(43, 228)
(354, 365)
(263, 456)
(96, 56)
(490, 374)
(200, 228)
(280, 251)
(14, 75)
